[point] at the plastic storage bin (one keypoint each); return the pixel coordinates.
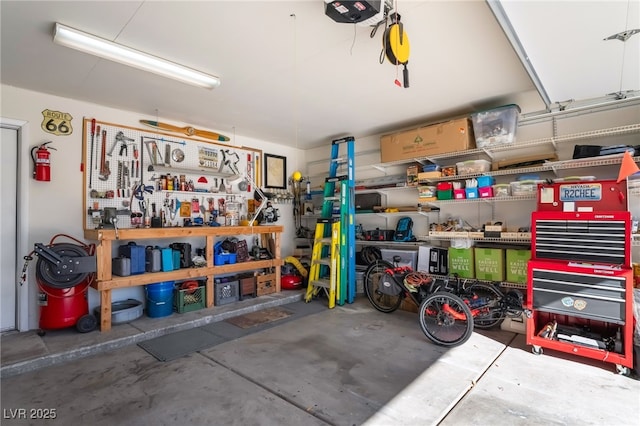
(190, 296)
(485, 192)
(427, 192)
(407, 257)
(123, 311)
(471, 193)
(445, 190)
(524, 187)
(473, 166)
(485, 181)
(459, 194)
(501, 190)
(496, 126)
(226, 292)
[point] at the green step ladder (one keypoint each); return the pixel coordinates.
(347, 283)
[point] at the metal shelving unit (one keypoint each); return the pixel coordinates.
(551, 166)
(481, 239)
(438, 203)
(490, 151)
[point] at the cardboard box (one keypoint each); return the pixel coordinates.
(461, 262)
(517, 325)
(412, 174)
(516, 265)
(408, 305)
(425, 176)
(450, 136)
(493, 231)
(438, 261)
(489, 264)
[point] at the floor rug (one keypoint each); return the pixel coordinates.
(260, 317)
(176, 345)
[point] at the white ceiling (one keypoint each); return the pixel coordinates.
(290, 75)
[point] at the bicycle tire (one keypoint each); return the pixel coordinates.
(383, 302)
(438, 322)
(492, 311)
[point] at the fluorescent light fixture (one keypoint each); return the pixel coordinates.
(97, 46)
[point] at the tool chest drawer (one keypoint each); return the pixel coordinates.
(582, 237)
(583, 295)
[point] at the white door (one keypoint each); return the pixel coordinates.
(8, 227)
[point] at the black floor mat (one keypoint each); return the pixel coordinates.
(176, 345)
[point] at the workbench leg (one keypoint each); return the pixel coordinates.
(209, 291)
(105, 310)
(277, 255)
(210, 240)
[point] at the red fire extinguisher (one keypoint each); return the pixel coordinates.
(41, 162)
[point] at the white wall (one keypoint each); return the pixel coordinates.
(56, 206)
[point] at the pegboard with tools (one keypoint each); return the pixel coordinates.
(136, 178)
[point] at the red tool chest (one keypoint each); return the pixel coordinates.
(583, 196)
(580, 285)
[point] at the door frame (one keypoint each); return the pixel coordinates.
(22, 219)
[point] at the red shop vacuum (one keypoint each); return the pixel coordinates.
(64, 273)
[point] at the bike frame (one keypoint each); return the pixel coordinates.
(403, 271)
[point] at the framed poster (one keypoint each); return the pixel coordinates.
(275, 171)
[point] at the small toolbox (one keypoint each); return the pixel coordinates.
(137, 255)
(185, 253)
(153, 261)
(121, 266)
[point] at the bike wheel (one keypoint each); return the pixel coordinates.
(446, 319)
(377, 279)
(491, 308)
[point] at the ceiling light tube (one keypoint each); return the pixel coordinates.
(97, 46)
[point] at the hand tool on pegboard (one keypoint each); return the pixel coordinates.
(122, 139)
(167, 155)
(119, 179)
(93, 138)
(135, 156)
(104, 164)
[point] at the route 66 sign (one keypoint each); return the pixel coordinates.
(56, 122)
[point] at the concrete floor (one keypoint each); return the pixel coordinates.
(348, 366)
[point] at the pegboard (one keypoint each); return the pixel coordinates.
(128, 170)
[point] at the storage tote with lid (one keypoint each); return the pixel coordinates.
(496, 126)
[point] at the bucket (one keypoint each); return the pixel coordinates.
(159, 299)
